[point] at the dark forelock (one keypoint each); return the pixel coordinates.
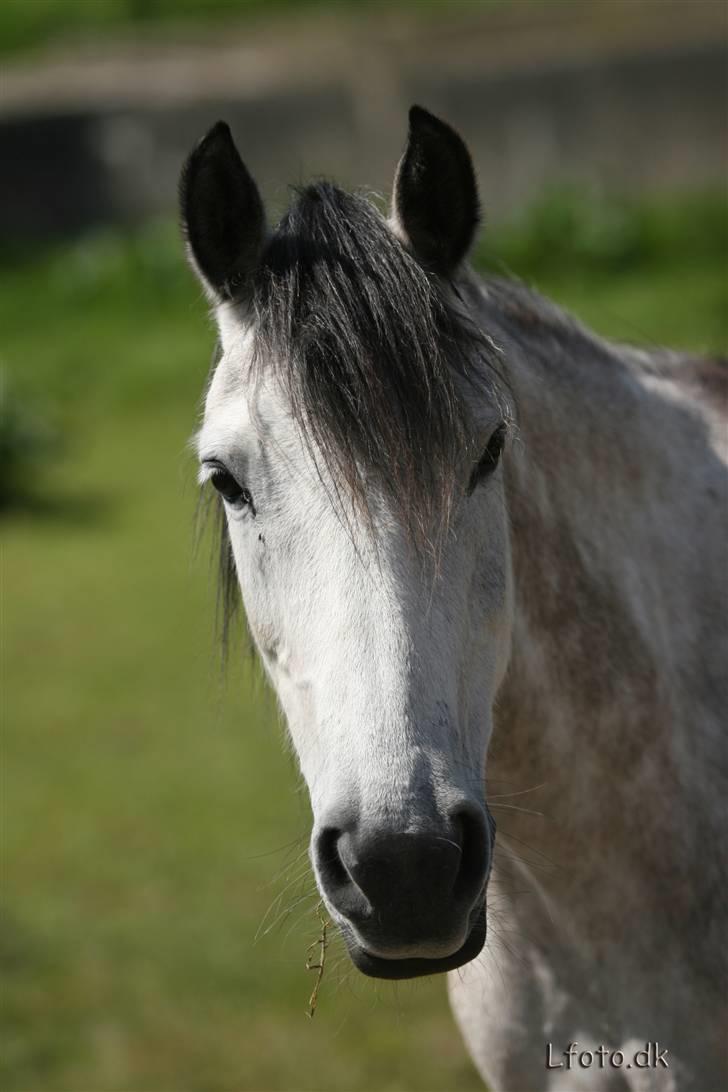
(367, 350)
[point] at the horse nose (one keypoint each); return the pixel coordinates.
(405, 890)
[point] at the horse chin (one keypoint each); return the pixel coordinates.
(375, 966)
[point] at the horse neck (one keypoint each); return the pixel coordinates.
(603, 580)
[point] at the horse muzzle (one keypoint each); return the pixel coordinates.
(410, 901)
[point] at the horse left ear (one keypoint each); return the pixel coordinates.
(435, 203)
(222, 215)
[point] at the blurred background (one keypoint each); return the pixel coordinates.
(157, 905)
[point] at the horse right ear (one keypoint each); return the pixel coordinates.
(223, 220)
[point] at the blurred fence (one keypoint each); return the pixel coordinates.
(628, 96)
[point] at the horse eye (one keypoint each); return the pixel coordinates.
(490, 457)
(235, 495)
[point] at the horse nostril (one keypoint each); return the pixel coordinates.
(471, 824)
(328, 860)
(334, 877)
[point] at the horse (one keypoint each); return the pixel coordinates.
(481, 554)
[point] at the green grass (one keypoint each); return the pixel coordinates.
(146, 804)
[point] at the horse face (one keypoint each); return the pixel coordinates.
(386, 668)
(386, 674)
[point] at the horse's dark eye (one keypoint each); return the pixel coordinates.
(490, 457)
(234, 494)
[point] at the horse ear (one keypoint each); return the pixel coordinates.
(435, 203)
(222, 214)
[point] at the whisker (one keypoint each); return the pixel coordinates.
(274, 906)
(512, 856)
(285, 913)
(532, 849)
(521, 792)
(279, 849)
(514, 807)
(448, 841)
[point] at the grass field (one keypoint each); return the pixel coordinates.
(153, 822)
